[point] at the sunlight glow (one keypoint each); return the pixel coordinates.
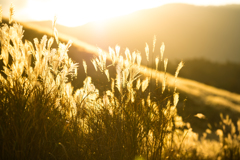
(79, 12)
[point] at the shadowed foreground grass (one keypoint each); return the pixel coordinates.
(43, 117)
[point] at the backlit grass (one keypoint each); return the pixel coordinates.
(43, 117)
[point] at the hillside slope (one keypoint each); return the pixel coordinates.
(201, 92)
(195, 97)
(45, 117)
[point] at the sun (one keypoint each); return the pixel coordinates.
(81, 12)
(74, 12)
(78, 12)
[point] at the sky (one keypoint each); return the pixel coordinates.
(78, 12)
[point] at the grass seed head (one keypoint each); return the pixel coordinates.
(112, 55)
(165, 64)
(94, 64)
(107, 74)
(11, 13)
(154, 42)
(156, 62)
(134, 55)
(164, 82)
(55, 32)
(180, 65)
(50, 42)
(162, 49)
(85, 66)
(145, 84)
(175, 99)
(117, 48)
(139, 58)
(200, 116)
(138, 84)
(54, 22)
(147, 51)
(128, 55)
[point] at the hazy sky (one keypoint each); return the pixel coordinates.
(78, 12)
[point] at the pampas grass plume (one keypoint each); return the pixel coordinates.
(180, 65)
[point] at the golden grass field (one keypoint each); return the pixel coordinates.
(44, 117)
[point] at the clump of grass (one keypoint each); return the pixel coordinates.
(43, 117)
(36, 100)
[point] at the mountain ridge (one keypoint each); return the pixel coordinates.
(188, 31)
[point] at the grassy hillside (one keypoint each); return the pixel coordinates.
(45, 117)
(190, 103)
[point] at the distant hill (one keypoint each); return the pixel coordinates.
(221, 75)
(188, 31)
